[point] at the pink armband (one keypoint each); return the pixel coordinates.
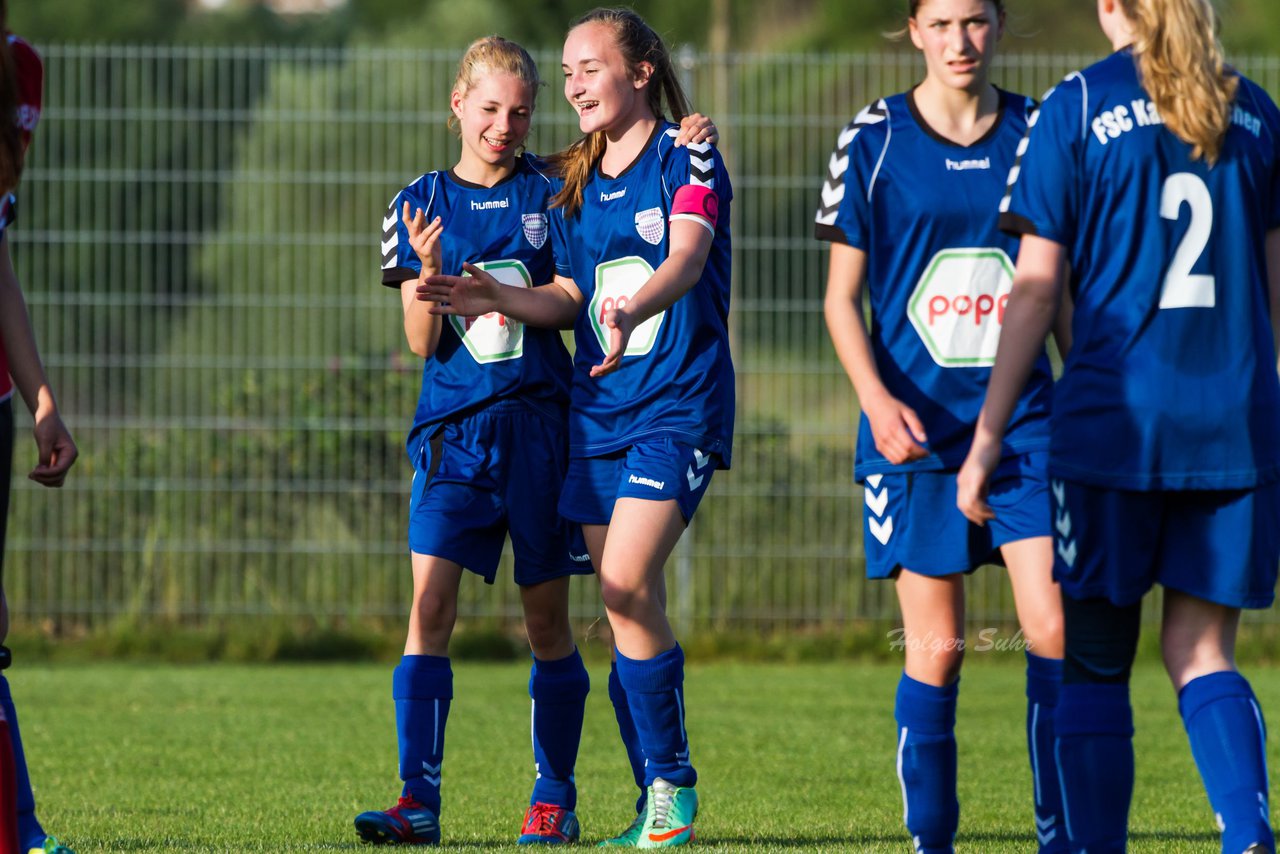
(696, 203)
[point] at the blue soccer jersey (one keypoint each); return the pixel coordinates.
(502, 229)
(939, 270)
(1171, 380)
(676, 377)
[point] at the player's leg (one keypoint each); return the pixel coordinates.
(925, 707)
(422, 689)
(558, 687)
(595, 537)
(1039, 605)
(640, 538)
(1222, 556)
(1106, 549)
(1094, 749)
(1222, 716)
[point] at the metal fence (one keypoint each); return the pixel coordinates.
(198, 244)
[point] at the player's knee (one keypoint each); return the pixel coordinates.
(547, 631)
(938, 666)
(435, 613)
(627, 600)
(1044, 633)
(1101, 641)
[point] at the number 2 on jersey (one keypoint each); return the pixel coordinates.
(1182, 288)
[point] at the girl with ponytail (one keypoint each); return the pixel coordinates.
(1154, 178)
(911, 229)
(488, 435)
(640, 228)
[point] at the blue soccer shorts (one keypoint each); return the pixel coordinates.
(496, 472)
(1219, 545)
(910, 519)
(660, 470)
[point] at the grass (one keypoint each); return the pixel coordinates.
(792, 757)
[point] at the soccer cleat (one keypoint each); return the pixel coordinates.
(406, 823)
(548, 824)
(629, 837)
(51, 846)
(669, 816)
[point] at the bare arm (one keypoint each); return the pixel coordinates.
(1062, 324)
(56, 450)
(897, 429)
(1033, 305)
(421, 328)
(1273, 281)
(553, 306)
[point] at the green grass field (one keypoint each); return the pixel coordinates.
(791, 757)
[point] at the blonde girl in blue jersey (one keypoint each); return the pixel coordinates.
(1154, 177)
(909, 209)
(642, 273)
(488, 432)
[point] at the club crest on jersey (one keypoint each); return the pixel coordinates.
(650, 226)
(535, 229)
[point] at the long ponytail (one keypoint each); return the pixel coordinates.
(1182, 67)
(637, 42)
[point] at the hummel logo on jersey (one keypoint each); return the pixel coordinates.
(646, 481)
(493, 205)
(966, 165)
(616, 194)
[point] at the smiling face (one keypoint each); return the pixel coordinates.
(493, 120)
(958, 39)
(598, 83)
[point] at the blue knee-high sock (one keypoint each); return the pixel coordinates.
(655, 692)
(30, 832)
(1044, 681)
(926, 716)
(627, 729)
(559, 692)
(1228, 740)
(1095, 764)
(423, 687)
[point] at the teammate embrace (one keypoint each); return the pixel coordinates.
(1151, 177)
(610, 239)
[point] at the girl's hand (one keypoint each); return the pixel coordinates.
(621, 325)
(56, 450)
(697, 128)
(424, 237)
(897, 429)
(467, 296)
(974, 479)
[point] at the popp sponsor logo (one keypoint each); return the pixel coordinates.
(957, 307)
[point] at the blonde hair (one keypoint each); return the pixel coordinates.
(1181, 65)
(494, 55)
(637, 42)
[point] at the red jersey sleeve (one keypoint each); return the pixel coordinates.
(30, 72)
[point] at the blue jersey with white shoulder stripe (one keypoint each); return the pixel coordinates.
(502, 229)
(939, 270)
(676, 377)
(1171, 380)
